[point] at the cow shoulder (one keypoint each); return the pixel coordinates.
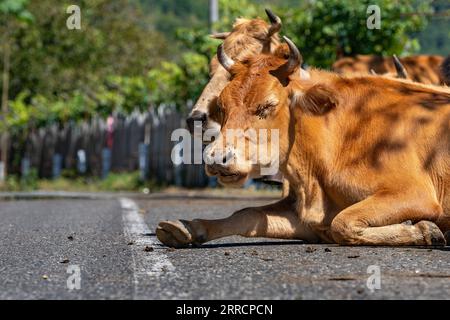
(317, 99)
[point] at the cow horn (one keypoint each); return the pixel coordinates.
(220, 35)
(401, 71)
(295, 58)
(224, 60)
(373, 72)
(275, 22)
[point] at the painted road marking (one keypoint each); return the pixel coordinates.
(146, 265)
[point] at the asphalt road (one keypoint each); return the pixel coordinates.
(111, 242)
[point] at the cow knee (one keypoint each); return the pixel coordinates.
(345, 231)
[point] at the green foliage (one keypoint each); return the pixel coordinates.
(232, 9)
(15, 183)
(120, 182)
(324, 29)
(170, 15)
(15, 10)
(115, 39)
(113, 183)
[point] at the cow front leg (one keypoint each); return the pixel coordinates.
(278, 220)
(378, 220)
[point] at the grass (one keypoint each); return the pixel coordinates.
(120, 182)
(113, 183)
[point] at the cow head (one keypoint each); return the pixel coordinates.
(254, 107)
(247, 37)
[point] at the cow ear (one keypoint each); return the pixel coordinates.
(318, 99)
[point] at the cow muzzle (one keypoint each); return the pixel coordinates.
(227, 175)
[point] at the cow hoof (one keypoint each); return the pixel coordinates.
(174, 234)
(432, 234)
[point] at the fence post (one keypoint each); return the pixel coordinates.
(2, 172)
(25, 167)
(56, 165)
(106, 162)
(143, 160)
(81, 161)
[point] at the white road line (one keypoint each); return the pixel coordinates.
(146, 265)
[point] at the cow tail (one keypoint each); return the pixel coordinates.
(445, 70)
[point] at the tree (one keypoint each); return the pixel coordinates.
(324, 30)
(13, 14)
(116, 38)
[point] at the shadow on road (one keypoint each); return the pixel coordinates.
(249, 244)
(240, 244)
(292, 242)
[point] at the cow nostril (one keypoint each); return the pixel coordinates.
(224, 159)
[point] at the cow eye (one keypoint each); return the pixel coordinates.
(263, 110)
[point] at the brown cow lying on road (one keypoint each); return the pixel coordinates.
(422, 68)
(362, 154)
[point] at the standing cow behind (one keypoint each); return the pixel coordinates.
(248, 37)
(363, 155)
(421, 68)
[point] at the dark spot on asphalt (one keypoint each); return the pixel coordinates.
(267, 259)
(226, 253)
(254, 253)
(64, 261)
(130, 243)
(310, 249)
(149, 234)
(148, 249)
(353, 257)
(344, 278)
(327, 250)
(70, 238)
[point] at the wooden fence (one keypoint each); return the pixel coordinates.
(99, 145)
